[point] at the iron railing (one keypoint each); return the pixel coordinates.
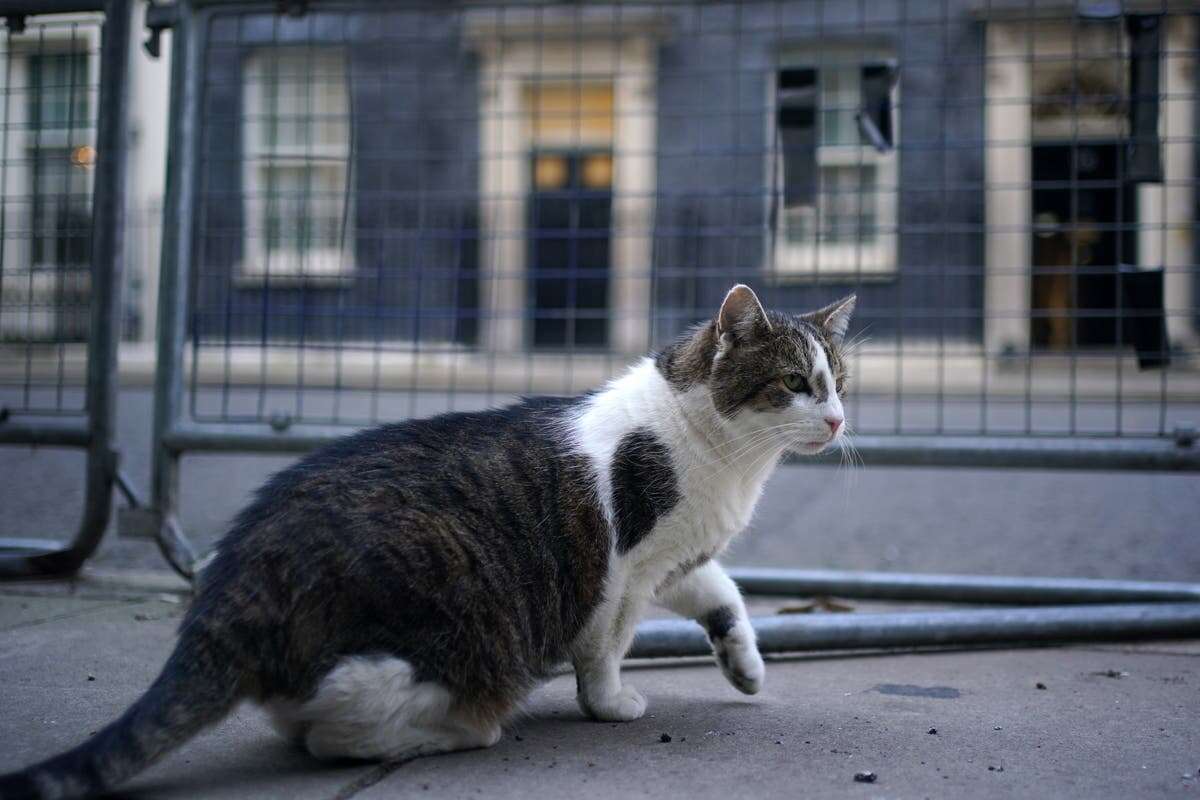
(62, 177)
(384, 210)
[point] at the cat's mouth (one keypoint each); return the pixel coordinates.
(813, 448)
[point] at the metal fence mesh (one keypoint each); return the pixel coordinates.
(49, 92)
(409, 208)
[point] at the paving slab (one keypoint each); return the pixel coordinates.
(1115, 720)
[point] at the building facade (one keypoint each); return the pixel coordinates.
(593, 177)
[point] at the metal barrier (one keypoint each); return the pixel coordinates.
(62, 156)
(383, 210)
(670, 638)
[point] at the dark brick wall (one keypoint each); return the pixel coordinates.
(712, 174)
(414, 103)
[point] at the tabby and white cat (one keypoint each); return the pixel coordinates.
(399, 592)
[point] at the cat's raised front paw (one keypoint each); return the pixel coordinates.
(742, 666)
(625, 705)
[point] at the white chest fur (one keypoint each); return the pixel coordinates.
(718, 479)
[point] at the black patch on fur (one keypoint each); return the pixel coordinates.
(719, 622)
(644, 486)
(688, 360)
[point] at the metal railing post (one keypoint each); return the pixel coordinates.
(108, 230)
(173, 291)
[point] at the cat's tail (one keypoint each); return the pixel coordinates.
(198, 686)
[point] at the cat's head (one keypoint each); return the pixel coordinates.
(773, 378)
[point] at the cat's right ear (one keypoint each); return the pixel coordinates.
(741, 315)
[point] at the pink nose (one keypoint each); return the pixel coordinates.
(834, 423)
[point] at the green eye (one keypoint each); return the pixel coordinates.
(797, 383)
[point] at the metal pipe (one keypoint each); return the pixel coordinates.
(39, 7)
(1024, 452)
(1005, 626)
(182, 123)
(957, 588)
(47, 432)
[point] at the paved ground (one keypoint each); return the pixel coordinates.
(73, 657)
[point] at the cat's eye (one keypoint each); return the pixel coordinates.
(797, 383)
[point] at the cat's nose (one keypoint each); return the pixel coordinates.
(834, 423)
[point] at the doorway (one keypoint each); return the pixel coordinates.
(570, 241)
(1079, 204)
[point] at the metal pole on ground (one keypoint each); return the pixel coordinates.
(957, 588)
(1002, 626)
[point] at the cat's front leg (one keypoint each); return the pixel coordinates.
(709, 596)
(601, 694)
(597, 658)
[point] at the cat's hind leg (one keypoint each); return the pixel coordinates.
(285, 719)
(374, 708)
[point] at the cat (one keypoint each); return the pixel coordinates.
(399, 592)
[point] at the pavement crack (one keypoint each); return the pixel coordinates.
(368, 779)
(1137, 651)
(30, 623)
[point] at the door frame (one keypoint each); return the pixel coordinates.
(1164, 210)
(510, 58)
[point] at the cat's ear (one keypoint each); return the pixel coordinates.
(741, 314)
(834, 318)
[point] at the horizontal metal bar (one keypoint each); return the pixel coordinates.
(253, 438)
(24, 8)
(1023, 452)
(923, 451)
(957, 588)
(983, 9)
(25, 558)
(10, 545)
(50, 433)
(1008, 626)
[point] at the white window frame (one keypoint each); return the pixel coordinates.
(288, 267)
(803, 261)
(36, 294)
(23, 141)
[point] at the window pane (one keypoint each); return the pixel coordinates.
(570, 113)
(846, 212)
(839, 104)
(60, 205)
(303, 207)
(303, 100)
(58, 96)
(848, 200)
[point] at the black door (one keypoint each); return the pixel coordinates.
(1079, 242)
(569, 233)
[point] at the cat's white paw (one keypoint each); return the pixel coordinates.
(625, 705)
(742, 665)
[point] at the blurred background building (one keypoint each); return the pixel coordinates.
(510, 198)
